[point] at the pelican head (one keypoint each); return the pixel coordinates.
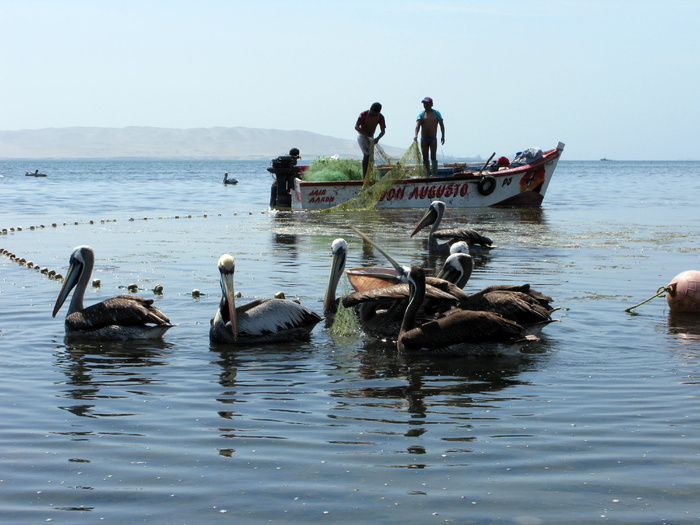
(81, 263)
(227, 267)
(457, 269)
(459, 247)
(433, 215)
(339, 249)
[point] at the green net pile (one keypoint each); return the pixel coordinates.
(375, 185)
(329, 169)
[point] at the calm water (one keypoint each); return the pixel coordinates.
(599, 422)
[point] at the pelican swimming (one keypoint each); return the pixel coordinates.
(380, 310)
(433, 217)
(229, 181)
(119, 318)
(460, 332)
(519, 303)
(260, 320)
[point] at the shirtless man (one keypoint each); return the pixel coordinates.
(427, 122)
(365, 126)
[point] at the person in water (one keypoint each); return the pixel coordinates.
(365, 126)
(427, 123)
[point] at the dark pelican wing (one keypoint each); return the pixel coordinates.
(519, 303)
(123, 310)
(466, 332)
(119, 318)
(471, 237)
(447, 293)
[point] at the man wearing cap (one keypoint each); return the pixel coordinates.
(365, 126)
(427, 123)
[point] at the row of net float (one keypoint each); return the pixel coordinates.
(132, 288)
(5, 231)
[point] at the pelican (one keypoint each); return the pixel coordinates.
(433, 217)
(260, 320)
(460, 332)
(381, 310)
(120, 318)
(229, 181)
(519, 303)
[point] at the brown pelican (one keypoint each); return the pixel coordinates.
(260, 320)
(460, 332)
(120, 318)
(229, 181)
(433, 217)
(519, 303)
(380, 310)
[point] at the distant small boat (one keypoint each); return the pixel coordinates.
(605, 160)
(35, 174)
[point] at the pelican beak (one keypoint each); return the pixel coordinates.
(427, 219)
(340, 251)
(400, 269)
(229, 294)
(69, 283)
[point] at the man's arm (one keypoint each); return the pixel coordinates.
(358, 125)
(382, 130)
(415, 134)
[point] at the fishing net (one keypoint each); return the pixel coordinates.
(333, 169)
(375, 184)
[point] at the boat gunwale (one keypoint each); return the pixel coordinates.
(547, 156)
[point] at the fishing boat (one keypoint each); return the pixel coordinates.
(35, 174)
(458, 185)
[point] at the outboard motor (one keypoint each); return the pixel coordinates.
(285, 169)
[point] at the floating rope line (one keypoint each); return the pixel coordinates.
(7, 231)
(53, 274)
(663, 290)
(96, 283)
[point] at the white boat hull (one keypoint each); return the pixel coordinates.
(521, 186)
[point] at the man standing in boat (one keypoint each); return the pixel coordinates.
(427, 123)
(365, 126)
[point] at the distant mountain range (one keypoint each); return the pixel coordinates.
(197, 143)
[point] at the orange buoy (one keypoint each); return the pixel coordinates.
(683, 292)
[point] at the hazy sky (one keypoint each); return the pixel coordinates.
(610, 78)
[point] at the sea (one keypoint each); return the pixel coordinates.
(598, 422)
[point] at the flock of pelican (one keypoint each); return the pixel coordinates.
(401, 304)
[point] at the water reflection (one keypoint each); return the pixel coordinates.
(684, 327)
(94, 369)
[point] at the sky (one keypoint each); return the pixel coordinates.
(618, 79)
